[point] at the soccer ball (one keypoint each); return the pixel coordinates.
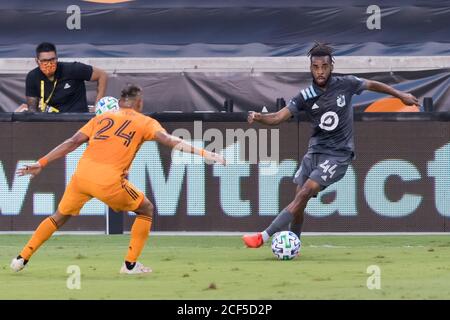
(286, 245)
(106, 104)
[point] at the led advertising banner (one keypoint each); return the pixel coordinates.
(399, 180)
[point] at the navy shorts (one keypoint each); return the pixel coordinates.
(322, 168)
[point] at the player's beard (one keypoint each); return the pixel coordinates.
(325, 83)
(48, 68)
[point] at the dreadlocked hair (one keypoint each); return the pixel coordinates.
(320, 49)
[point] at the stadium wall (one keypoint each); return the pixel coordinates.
(399, 181)
(206, 89)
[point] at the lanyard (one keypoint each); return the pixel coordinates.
(43, 104)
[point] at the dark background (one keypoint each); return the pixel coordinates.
(196, 28)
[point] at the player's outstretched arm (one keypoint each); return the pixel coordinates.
(406, 97)
(179, 144)
(60, 151)
(270, 118)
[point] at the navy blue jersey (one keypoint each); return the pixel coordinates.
(331, 114)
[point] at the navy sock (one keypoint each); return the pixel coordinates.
(296, 228)
(280, 222)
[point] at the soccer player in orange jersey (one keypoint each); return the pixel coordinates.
(114, 138)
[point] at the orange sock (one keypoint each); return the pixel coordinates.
(42, 233)
(139, 234)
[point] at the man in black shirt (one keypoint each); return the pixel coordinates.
(59, 86)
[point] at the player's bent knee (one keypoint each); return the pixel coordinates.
(146, 208)
(151, 208)
(60, 219)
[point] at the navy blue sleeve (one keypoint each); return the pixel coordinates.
(79, 71)
(357, 85)
(296, 104)
(32, 86)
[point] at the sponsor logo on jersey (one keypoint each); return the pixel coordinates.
(329, 121)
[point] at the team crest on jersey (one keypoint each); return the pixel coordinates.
(340, 100)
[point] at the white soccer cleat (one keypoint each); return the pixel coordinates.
(17, 264)
(139, 268)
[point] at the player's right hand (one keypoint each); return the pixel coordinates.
(32, 169)
(253, 116)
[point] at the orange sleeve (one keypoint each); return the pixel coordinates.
(88, 128)
(151, 127)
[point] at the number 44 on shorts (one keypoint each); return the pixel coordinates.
(327, 169)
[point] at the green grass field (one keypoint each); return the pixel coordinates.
(211, 267)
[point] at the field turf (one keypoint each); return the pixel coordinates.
(213, 267)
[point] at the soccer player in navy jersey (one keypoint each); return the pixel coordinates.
(327, 103)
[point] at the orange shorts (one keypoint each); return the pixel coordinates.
(121, 196)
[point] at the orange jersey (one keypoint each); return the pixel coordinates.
(114, 140)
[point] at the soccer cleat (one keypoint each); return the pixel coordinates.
(253, 240)
(139, 268)
(18, 264)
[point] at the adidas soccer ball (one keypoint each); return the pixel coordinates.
(286, 245)
(106, 104)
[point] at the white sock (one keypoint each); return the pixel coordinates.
(265, 236)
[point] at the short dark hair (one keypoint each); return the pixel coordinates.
(45, 47)
(320, 49)
(130, 91)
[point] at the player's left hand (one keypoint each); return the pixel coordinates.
(215, 157)
(32, 169)
(409, 99)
